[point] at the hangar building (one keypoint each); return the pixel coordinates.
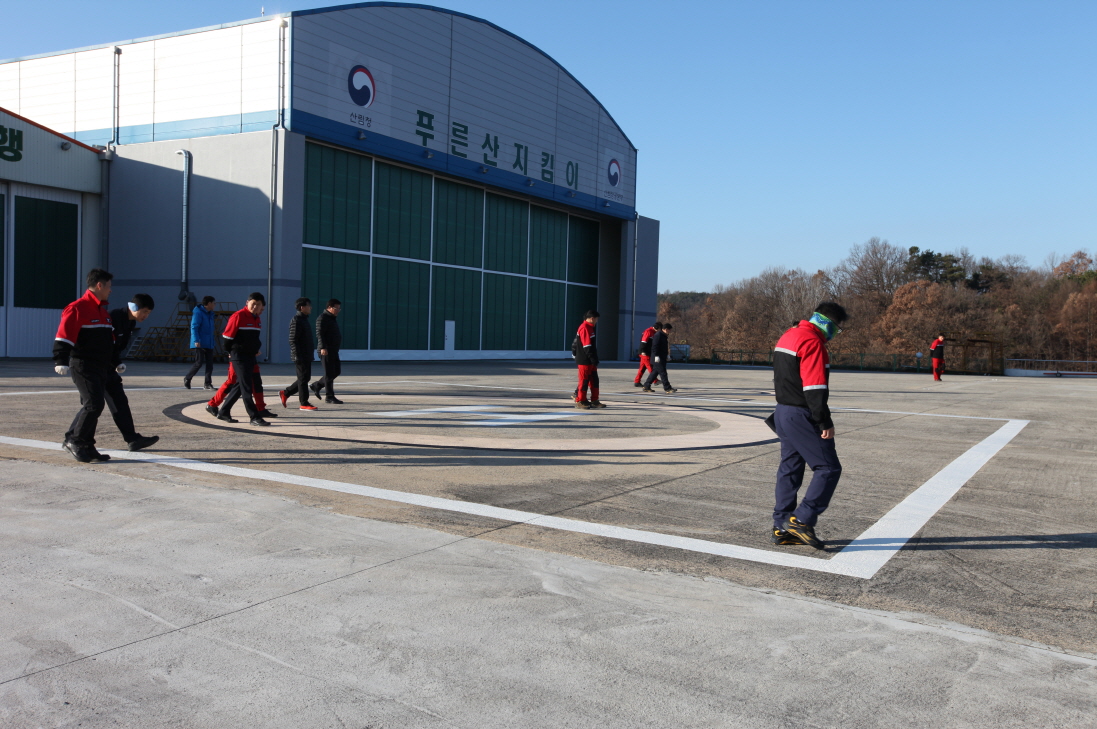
(458, 190)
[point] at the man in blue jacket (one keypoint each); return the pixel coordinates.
(201, 341)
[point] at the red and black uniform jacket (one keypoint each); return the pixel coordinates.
(645, 341)
(801, 371)
(587, 351)
(85, 332)
(937, 350)
(241, 337)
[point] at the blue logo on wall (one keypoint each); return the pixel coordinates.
(361, 87)
(614, 172)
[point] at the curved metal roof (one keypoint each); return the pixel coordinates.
(418, 6)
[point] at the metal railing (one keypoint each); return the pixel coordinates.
(838, 360)
(1053, 366)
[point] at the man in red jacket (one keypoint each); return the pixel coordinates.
(586, 356)
(937, 356)
(801, 381)
(242, 340)
(645, 354)
(84, 349)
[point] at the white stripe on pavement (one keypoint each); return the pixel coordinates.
(862, 558)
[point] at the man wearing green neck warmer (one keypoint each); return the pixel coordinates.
(801, 383)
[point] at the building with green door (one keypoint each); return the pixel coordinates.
(460, 192)
(50, 205)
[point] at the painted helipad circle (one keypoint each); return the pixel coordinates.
(501, 424)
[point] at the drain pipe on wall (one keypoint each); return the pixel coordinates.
(279, 124)
(105, 158)
(184, 284)
(635, 250)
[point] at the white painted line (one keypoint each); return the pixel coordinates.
(879, 543)
(928, 415)
(473, 409)
(521, 419)
(862, 558)
(77, 392)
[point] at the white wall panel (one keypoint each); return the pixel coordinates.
(94, 89)
(259, 67)
(198, 75)
(137, 87)
(47, 92)
(9, 86)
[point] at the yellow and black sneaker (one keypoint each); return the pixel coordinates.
(804, 533)
(781, 537)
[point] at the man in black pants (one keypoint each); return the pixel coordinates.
(84, 349)
(124, 319)
(328, 341)
(660, 353)
(242, 339)
(202, 331)
(300, 351)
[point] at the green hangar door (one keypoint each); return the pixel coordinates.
(425, 264)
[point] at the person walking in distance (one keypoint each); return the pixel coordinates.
(645, 354)
(937, 356)
(242, 341)
(84, 350)
(660, 353)
(801, 383)
(300, 351)
(202, 326)
(586, 357)
(328, 341)
(123, 321)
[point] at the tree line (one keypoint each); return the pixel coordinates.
(899, 299)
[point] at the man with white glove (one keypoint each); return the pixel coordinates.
(660, 353)
(84, 349)
(124, 320)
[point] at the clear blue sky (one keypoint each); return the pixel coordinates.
(781, 132)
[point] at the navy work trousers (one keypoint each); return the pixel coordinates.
(802, 445)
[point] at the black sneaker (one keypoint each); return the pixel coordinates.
(143, 441)
(78, 452)
(638, 384)
(781, 537)
(186, 383)
(333, 401)
(264, 413)
(211, 410)
(259, 421)
(227, 418)
(207, 386)
(315, 389)
(804, 533)
(97, 457)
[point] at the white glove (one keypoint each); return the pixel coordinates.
(656, 359)
(120, 368)
(61, 369)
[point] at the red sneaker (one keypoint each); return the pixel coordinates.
(308, 407)
(282, 397)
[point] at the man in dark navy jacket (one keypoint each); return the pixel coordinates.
(660, 353)
(801, 383)
(124, 320)
(300, 351)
